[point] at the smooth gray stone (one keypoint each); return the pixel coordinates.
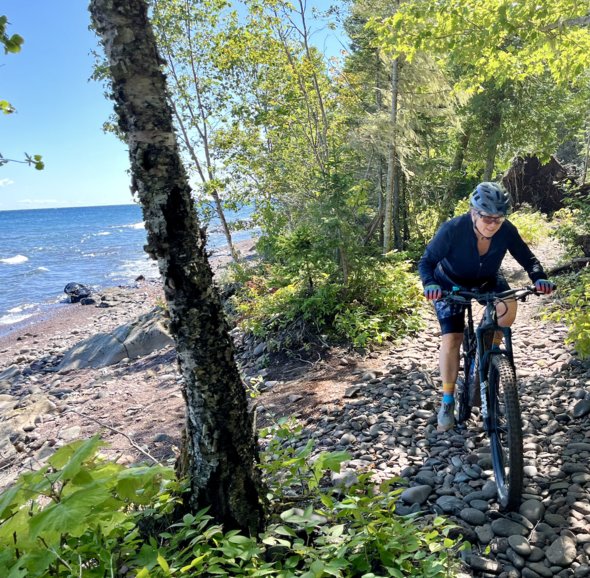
(484, 533)
(473, 516)
(485, 565)
(450, 504)
(562, 551)
(520, 545)
(426, 477)
(505, 528)
(516, 559)
(10, 372)
(582, 507)
(579, 446)
(489, 490)
(416, 494)
(540, 569)
(555, 520)
(532, 510)
(481, 505)
(574, 468)
(520, 519)
(536, 554)
(581, 409)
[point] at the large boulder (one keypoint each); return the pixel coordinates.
(136, 339)
(77, 291)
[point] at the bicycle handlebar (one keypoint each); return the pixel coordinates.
(462, 295)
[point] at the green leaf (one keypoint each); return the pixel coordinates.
(163, 564)
(13, 43)
(6, 107)
(72, 515)
(8, 501)
(69, 458)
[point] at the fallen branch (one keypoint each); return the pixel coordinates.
(118, 431)
(574, 265)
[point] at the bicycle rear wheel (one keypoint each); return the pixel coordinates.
(505, 432)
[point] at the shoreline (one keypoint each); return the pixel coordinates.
(55, 316)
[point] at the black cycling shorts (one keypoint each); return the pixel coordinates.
(451, 315)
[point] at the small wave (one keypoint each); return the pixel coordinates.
(140, 225)
(102, 234)
(42, 269)
(12, 318)
(16, 260)
(131, 269)
(21, 308)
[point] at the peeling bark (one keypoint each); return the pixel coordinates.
(220, 450)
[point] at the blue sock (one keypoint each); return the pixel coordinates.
(448, 398)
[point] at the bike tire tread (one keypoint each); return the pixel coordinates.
(507, 388)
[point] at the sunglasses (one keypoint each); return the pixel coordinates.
(490, 220)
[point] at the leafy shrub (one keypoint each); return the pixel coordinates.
(574, 309)
(83, 516)
(461, 207)
(532, 225)
(379, 302)
(572, 224)
(76, 515)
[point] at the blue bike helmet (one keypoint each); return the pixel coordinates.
(490, 198)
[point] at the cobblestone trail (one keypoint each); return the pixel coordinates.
(387, 422)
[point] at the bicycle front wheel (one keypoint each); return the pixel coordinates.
(505, 432)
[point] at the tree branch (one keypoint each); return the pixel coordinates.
(118, 431)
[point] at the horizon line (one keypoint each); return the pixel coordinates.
(69, 207)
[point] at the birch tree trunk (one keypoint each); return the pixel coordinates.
(220, 446)
(390, 224)
(451, 192)
(491, 147)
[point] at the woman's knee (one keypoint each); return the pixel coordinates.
(452, 341)
(507, 312)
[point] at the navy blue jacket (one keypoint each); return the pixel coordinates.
(452, 258)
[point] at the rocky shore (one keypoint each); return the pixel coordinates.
(380, 407)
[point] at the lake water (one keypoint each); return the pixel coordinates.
(43, 250)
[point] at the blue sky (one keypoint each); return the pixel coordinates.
(60, 112)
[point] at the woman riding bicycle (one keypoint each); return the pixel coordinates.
(467, 251)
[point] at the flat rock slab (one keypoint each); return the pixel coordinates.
(133, 340)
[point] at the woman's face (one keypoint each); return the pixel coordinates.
(487, 224)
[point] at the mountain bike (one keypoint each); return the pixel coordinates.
(491, 367)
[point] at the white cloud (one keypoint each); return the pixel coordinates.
(6, 182)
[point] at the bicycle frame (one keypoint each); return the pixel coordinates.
(488, 325)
